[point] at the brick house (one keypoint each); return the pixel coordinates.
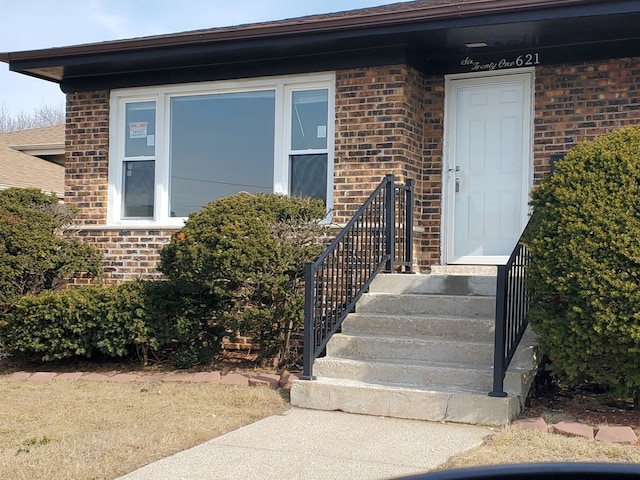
(471, 98)
(33, 158)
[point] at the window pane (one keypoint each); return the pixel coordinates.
(309, 176)
(140, 134)
(139, 182)
(309, 111)
(220, 145)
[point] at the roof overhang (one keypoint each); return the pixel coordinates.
(436, 37)
(40, 149)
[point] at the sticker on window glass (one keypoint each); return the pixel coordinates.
(138, 130)
(151, 140)
(322, 131)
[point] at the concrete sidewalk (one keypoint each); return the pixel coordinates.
(311, 444)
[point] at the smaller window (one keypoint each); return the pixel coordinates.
(139, 166)
(309, 176)
(141, 130)
(308, 152)
(309, 119)
(139, 186)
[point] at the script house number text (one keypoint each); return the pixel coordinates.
(524, 60)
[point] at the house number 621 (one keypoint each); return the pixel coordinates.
(528, 59)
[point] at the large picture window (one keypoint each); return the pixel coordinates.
(176, 148)
(220, 144)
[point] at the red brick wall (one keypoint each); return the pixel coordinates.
(380, 129)
(430, 204)
(373, 129)
(87, 155)
(574, 103)
(128, 254)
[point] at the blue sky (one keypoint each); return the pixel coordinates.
(36, 24)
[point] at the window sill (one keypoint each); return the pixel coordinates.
(134, 226)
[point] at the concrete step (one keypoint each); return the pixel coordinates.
(435, 375)
(444, 326)
(441, 405)
(464, 270)
(435, 284)
(369, 347)
(408, 304)
(420, 349)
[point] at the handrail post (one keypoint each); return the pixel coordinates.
(408, 241)
(500, 334)
(309, 323)
(390, 209)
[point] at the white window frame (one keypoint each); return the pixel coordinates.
(284, 86)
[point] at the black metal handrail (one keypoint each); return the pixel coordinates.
(379, 236)
(512, 308)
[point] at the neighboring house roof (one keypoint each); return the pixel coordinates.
(20, 162)
(428, 34)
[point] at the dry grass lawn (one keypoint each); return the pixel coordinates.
(100, 430)
(510, 446)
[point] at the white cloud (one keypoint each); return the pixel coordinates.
(116, 24)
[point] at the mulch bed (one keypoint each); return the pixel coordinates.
(228, 362)
(589, 405)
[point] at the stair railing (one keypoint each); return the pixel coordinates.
(379, 236)
(512, 308)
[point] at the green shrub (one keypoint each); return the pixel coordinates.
(585, 272)
(244, 256)
(80, 322)
(148, 318)
(35, 255)
(235, 266)
(182, 324)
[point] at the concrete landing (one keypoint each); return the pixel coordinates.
(404, 402)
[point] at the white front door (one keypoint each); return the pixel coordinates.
(487, 166)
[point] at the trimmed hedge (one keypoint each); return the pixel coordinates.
(147, 318)
(55, 325)
(584, 278)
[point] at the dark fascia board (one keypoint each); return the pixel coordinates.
(306, 25)
(295, 35)
(311, 63)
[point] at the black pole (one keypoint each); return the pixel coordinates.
(408, 245)
(500, 334)
(390, 222)
(309, 328)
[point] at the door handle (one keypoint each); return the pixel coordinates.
(457, 178)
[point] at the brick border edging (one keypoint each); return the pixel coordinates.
(272, 381)
(615, 434)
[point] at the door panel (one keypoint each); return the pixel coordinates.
(487, 167)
